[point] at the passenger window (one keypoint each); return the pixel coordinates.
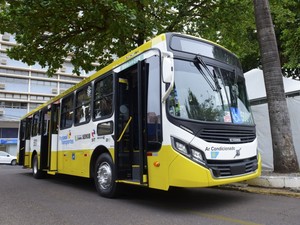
(103, 98)
(35, 124)
(67, 112)
(83, 105)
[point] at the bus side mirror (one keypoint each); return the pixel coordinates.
(168, 73)
(168, 67)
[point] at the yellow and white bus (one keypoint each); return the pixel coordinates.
(172, 112)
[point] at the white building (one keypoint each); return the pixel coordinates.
(23, 88)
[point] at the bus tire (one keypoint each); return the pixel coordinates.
(36, 172)
(105, 176)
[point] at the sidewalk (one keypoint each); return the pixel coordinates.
(271, 183)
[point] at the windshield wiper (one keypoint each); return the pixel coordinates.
(208, 76)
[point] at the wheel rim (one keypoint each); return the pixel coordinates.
(104, 176)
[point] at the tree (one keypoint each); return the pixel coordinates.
(91, 31)
(284, 155)
(100, 30)
(88, 30)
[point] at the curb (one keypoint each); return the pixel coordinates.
(263, 190)
(270, 183)
(290, 181)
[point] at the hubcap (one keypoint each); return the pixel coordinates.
(104, 175)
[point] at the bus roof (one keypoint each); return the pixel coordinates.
(149, 44)
(102, 71)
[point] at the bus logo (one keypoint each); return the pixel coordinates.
(235, 140)
(237, 153)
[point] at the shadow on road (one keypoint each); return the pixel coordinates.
(175, 200)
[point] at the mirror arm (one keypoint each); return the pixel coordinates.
(167, 93)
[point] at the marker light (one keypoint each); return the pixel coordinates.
(156, 164)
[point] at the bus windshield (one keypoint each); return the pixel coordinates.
(208, 94)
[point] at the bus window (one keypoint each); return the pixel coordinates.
(28, 126)
(35, 124)
(45, 123)
(55, 118)
(22, 132)
(103, 97)
(67, 112)
(83, 105)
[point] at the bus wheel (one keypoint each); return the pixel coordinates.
(105, 176)
(36, 172)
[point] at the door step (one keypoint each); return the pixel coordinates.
(52, 172)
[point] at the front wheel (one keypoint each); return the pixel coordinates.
(105, 176)
(36, 172)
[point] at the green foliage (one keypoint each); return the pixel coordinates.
(286, 16)
(48, 31)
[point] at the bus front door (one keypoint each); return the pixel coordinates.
(130, 153)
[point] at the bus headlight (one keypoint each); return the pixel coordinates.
(197, 156)
(188, 150)
(180, 146)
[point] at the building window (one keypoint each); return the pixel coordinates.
(8, 132)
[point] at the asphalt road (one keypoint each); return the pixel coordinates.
(74, 201)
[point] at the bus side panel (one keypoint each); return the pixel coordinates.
(158, 167)
(53, 154)
(74, 162)
(27, 154)
(35, 146)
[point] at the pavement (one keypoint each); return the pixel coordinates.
(271, 183)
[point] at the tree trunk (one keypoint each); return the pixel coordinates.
(284, 155)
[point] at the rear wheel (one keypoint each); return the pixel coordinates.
(105, 176)
(36, 172)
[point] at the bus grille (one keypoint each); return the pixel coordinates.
(232, 168)
(228, 136)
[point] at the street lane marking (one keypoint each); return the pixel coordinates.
(224, 218)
